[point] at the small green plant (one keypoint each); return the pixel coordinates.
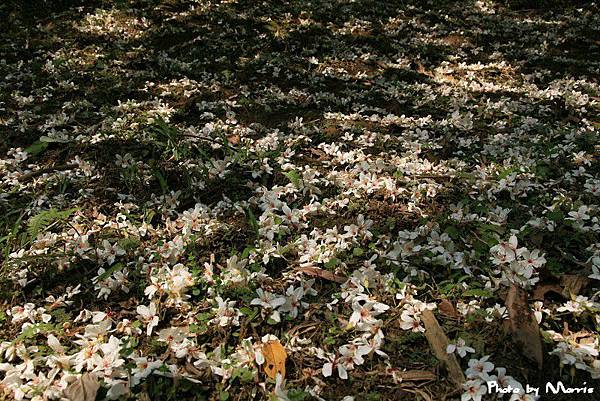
(45, 219)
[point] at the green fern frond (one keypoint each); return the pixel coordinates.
(44, 219)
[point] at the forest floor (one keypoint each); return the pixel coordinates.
(298, 200)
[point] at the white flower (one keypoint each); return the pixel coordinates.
(328, 367)
(291, 216)
(580, 214)
(539, 310)
(592, 186)
(110, 252)
(148, 316)
(350, 356)
(110, 358)
(460, 347)
(505, 252)
(365, 310)
(411, 322)
(479, 368)
(474, 390)
(226, 313)
(370, 343)
(293, 303)
(143, 368)
(267, 299)
(505, 381)
(280, 393)
(82, 245)
(532, 259)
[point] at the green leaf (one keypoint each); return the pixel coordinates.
(358, 251)
(251, 313)
(204, 316)
(294, 177)
(556, 215)
(36, 148)
(332, 263)
(297, 395)
(129, 243)
(162, 181)
(44, 219)
(244, 374)
(110, 271)
(47, 139)
(246, 252)
(252, 220)
(452, 231)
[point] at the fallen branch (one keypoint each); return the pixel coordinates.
(439, 343)
(46, 170)
(523, 326)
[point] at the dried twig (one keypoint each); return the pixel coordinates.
(46, 170)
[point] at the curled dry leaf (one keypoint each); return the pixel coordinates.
(573, 284)
(523, 326)
(439, 343)
(83, 389)
(447, 309)
(275, 357)
(539, 293)
(570, 286)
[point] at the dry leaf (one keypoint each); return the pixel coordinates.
(447, 309)
(573, 284)
(233, 139)
(322, 273)
(570, 286)
(318, 153)
(422, 393)
(588, 340)
(83, 389)
(523, 326)
(439, 342)
(275, 357)
(539, 293)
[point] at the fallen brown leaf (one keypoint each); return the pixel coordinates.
(233, 139)
(573, 284)
(539, 292)
(570, 286)
(322, 273)
(275, 357)
(439, 342)
(447, 309)
(523, 326)
(82, 389)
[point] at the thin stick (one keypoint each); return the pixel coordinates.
(42, 171)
